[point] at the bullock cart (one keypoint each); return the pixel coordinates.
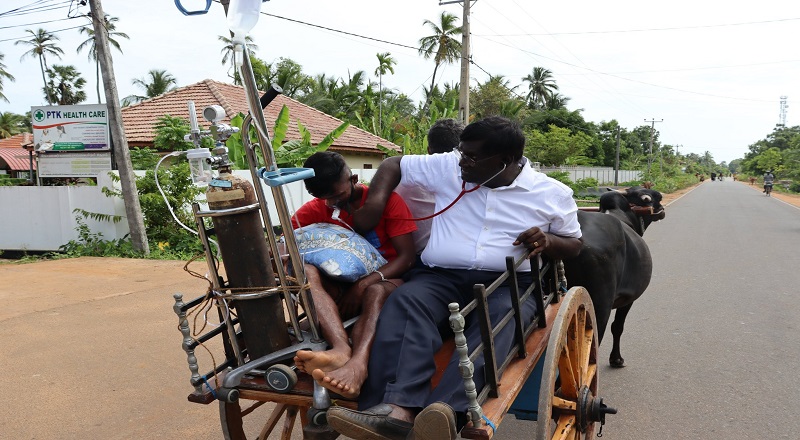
(255, 317)
(551, 375)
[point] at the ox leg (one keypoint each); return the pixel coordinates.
(617, 328)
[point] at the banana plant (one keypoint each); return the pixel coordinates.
(288, 154)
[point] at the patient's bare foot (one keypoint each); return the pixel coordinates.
(346, 380)
(308, 361)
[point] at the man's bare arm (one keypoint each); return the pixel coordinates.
(385, 181)
(553, 246)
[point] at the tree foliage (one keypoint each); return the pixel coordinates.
(4, 75)
(156, 83)
(557, 146)
(65, 85)
(170, 134)
(42, 44)
(110, 25)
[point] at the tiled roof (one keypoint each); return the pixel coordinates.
(140, 118)
(16, 141)
(16, 158)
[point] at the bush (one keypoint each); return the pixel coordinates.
(166, 239)
(561, 176)
(91, 244)
(8, 181)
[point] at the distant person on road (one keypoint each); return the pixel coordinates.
(769, 179)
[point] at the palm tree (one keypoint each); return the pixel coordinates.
(158, 83)
(10, 124)
(227, 54)
(91, 44)
(42, 43)
(442, 45)
(541, 85)
(385, 63)
(65, 85)
(4, 75)
(556, 101)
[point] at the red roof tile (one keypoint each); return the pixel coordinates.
(140, 118)
(16, 141)
(17, 159)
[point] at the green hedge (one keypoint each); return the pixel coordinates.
(8, 181)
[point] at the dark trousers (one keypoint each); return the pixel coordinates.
(410, 331)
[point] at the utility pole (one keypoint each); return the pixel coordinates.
(133, 211)
(616, 161)
(650, 153)
(463, 86)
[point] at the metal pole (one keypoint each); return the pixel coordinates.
(616, 161)
(30, 164)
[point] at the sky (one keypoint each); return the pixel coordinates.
(710, 73)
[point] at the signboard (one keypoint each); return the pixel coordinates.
(74, 164)
(70, 128)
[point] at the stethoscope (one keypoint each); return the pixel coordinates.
(464, 191)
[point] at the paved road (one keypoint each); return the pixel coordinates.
(90, 347)
(713, 345)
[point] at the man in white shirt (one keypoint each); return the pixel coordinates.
(503, 208)
(443, 136)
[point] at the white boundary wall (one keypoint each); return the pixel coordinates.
(604, 175)
(40, 218)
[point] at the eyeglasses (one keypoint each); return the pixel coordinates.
(469, 160)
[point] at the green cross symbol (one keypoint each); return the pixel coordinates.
(39, 116)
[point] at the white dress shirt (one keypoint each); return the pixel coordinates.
(478, 231)
(421, 204)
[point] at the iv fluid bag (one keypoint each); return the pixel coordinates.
(242, 17)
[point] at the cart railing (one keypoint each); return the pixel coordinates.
(543, 290)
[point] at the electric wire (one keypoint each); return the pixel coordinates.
(37, 23)
(673, 28)
(23, 8)
(52, 32)
(601, 79)
(521, 50)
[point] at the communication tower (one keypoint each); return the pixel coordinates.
(784, 106)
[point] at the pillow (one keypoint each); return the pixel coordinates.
(337, 251)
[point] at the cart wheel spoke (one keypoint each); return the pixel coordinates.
(247, 419)
(564, 404)
(567, 373)
(582, 357)
(566, 428)
(591, 373)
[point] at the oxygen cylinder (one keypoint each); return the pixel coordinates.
(245, 256)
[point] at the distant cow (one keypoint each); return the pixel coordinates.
(647, 185)
(752, 181)
(615, 264)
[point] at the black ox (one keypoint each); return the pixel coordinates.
(615, 264)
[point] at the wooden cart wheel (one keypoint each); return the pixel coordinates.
(248, 419)
(568, 402)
